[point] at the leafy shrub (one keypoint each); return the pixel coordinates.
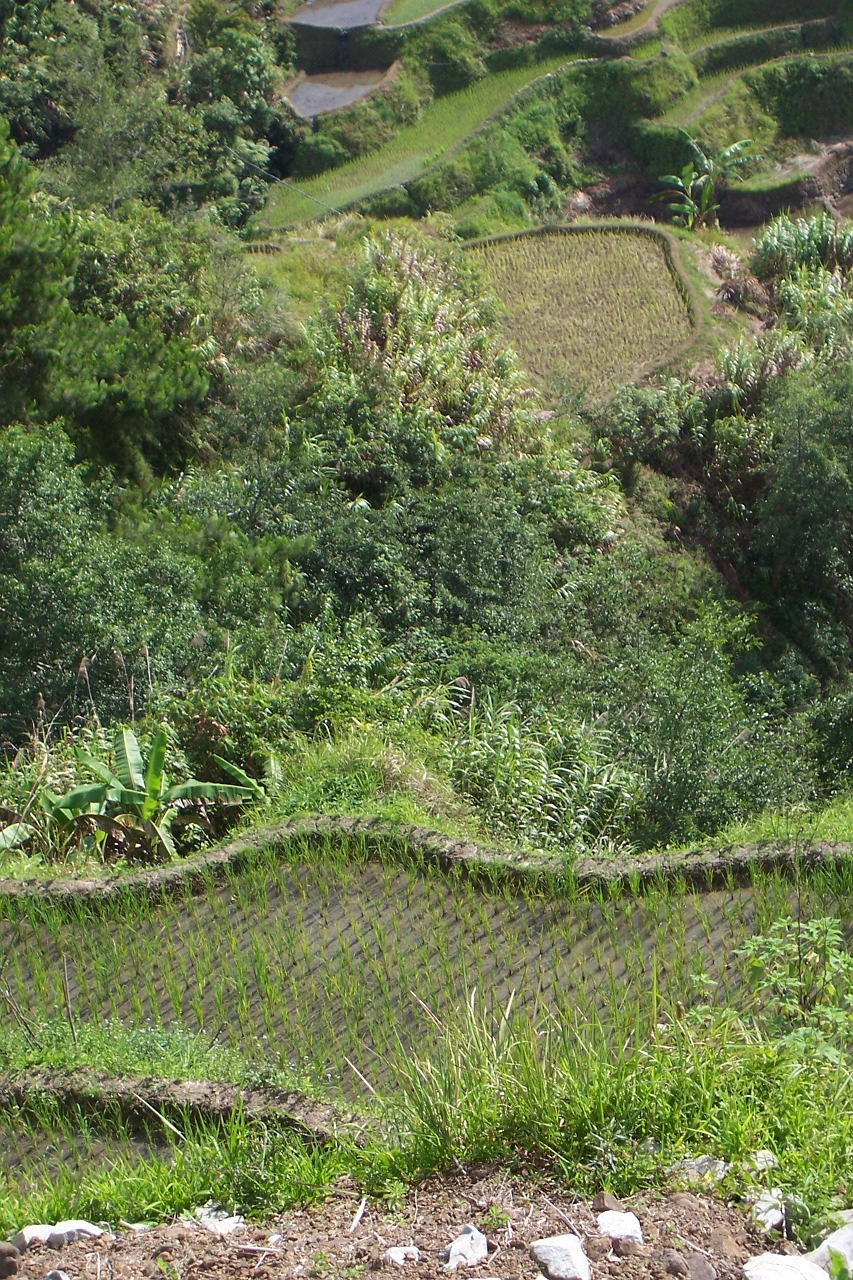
(408, 371)
(808, 96)
(547, 782)
(788, 244)
(801, 976)
(703, 756)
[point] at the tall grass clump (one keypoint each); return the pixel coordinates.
(552, 783)
(245, 1165)
(789, 243)
(619, 1113)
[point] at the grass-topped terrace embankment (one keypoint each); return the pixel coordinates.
(309, 950)
(443, 124)
(479, 152)
(326, 963)
(596, 306)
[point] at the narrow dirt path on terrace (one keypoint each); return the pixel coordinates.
(618, 32)
(343, 1239)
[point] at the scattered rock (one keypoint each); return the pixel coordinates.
(399, 1255)
(561, 1258)
(625, 1248)
(723, 1244)
(761, 1161)
(620, 1226)
(776, 1266)
(700, 1268)
(701, 1168)
(604, 1201)
(596, 1247)
(218, 1220)
(469, 1248)
(37, 1233)
(768, 1210)
(686, 1200)
(9, 1259)
(671, 1262)
(840, 1241)
(71, 1230)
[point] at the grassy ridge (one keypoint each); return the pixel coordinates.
(443, 124)
(343, 952)
(313, 959)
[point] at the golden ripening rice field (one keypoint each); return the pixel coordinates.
(592, 307)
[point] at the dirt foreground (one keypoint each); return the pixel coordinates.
(685, 1235)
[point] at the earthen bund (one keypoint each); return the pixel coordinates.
(320, 963)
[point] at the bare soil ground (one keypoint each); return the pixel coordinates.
(685, 1234)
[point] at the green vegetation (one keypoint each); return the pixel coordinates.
(442, 125)
(400, 11)
(458, 1079)
(552, 286)
(691, 194)
(294, 529)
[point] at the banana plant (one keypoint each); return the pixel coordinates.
(52, 822)
(690, 195)
(136, 807)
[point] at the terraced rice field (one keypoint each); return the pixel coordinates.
(594, 308)
(443, 124)
(47, 1137)
(323, 963)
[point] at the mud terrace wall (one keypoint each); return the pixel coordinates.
(698, 868)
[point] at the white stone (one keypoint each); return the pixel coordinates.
(217, 1220)
(469, 1248)
(561, 1258)
(57, 1275)
(840, 1241)
(700, 1168)
(34, 1234)
(73, 1229)
(761, 1161)
(400, 1254)
(779, 1266)
(620, 1226)
(768, 1210)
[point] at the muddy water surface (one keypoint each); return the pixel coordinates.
(314, 95)
(339, 14)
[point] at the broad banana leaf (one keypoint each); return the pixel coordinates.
(155, 778)
(158, 833)
(240, 775)
(130, 769)
(81, 798)
(206, 791)
(99, 769)
(12, 837)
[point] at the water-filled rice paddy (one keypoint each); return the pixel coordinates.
(47, 1139)
(593, 307)
(316, 94)
(318, 963)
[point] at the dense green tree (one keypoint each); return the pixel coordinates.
(37, 255)
(799, 560)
